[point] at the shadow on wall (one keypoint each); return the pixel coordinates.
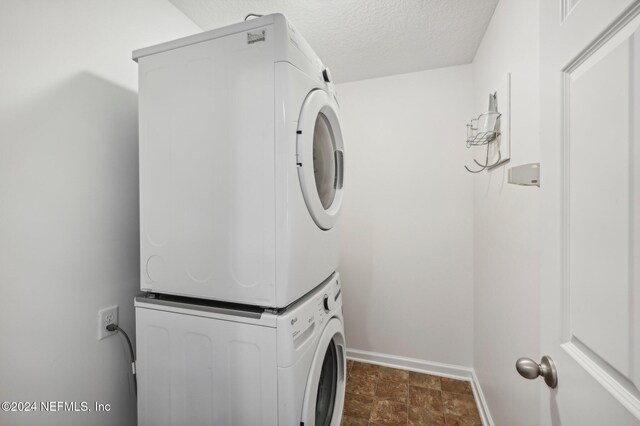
(69, 245)
(357, 251)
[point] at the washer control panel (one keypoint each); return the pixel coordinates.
(301, 324)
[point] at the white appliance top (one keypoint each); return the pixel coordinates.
(207, 35)
(290, 45)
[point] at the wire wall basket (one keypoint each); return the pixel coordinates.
(484, 129)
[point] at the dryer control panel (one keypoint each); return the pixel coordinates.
(301, 325)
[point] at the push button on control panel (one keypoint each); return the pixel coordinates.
(320, 310)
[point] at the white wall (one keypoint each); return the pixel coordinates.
(69, 198)
(506, 247)
(407, 221)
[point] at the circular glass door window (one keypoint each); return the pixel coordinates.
(324, 164)
(327, 386)
(320, 158)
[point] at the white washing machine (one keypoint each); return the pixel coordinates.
(241, 165)
(219, 365)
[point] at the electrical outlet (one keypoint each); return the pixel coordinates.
(107, 316)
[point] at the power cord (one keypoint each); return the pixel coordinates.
(114, 327)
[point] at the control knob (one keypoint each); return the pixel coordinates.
(326, 75)
(327, 303)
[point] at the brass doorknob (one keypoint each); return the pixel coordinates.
(529, 369)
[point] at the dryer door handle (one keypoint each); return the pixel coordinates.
(339, 169)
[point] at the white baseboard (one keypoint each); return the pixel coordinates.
(483, 408)
(412, 364)
(428, 367)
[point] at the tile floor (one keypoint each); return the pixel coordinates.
(379, 395)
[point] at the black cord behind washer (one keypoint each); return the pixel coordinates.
(114, 327)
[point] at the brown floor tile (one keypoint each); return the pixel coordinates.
(393, 374)
(419, 416)
(460, 405)
(364, 369)
(354, 421)
(431, 399)
(389, 413)
(358, 406)
(361, 385)
(456, 386)
(424, 380)
(462, 421)
(394, 391)
(384, 396)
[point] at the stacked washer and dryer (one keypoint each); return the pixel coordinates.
(241, 183)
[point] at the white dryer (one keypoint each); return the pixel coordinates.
(241, 165)
(202, 364)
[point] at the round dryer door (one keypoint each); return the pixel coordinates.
(324, 395)
(320, 157)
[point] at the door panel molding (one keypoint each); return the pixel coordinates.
(616, 384)
(617, 28)
(566, 7)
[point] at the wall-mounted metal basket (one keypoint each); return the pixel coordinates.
(491, 130)
(480, 131)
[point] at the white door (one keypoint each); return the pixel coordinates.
(320, 158)
(326, 385)
(590, 183)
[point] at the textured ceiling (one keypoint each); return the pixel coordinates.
(360, 39)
